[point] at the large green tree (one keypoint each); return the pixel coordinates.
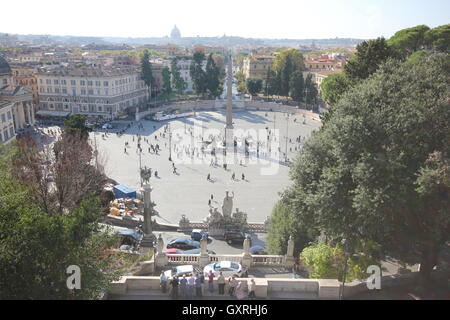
(406, 41)
(285, 64)
(369, 56)
(438, 38)
(334, 86)
(254, 86)
(370, 172)
(311, 93)
(197, 73)
(297, 86)
(36, 247)
(177, 80)
(146, 72)
(213, 77)
(167, 83)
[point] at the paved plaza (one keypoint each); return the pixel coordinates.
(187, 191)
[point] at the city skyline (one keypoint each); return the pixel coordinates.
(288, 20)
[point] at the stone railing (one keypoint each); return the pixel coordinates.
(180, 259)
(229, 257)
(265, 288)
(266, 260)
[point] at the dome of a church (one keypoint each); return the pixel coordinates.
(175, 33)
(4, 67)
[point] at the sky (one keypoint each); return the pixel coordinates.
(281, 19)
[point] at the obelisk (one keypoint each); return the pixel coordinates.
(230, 94)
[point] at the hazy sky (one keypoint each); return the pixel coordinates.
(297, 19)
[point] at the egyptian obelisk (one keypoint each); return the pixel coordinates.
(230, 94)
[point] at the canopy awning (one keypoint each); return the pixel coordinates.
(53, 113)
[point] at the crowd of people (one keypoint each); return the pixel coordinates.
(192, 286)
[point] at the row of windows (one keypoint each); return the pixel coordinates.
(92, 92)
(89, 83)
(5, 116)
(7, 135)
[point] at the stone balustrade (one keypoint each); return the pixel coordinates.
(264, 287)
(267, 260)
(180, 259)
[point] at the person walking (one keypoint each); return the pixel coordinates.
(232, 283)
(198, 286)
(243, 177)
(221, 283)
(163, 282)
(183, 287)
(174, 283)
(210, 282)
(251, 289)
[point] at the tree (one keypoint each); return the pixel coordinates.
(146, 72)
(438, 38)
(242, 86)
(297, 86)
(334, 86)
(272, 83)
(282, 225)
(37, 247)
(311, 92)
(328, 261)
(177, 79)
(75, 125)
(197, 73)
(368, 173)
(370, 55)
(254, 86)
(213, 78)
(285, 64)
(407, 41)
(167, 85)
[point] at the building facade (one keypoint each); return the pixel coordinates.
(257, 66)
(16, 105)
(97, 92)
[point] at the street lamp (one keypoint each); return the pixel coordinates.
(170, 144)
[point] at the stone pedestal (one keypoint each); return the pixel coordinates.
(149, 237)
(204, 256)
(246, 257)
(160, 256)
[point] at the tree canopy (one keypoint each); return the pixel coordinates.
(370, 172)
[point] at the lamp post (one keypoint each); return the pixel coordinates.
(170, 144)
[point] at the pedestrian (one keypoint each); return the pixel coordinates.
(221, 283)
(233, 176)
(239, 291)
(243, 177)
(211, 281)
(251, 289)
(212, 197)
(209, 202)
(163, 282)
(191, 285)
(208, 178)
(174, 284)
(198, 286)
(183, 287)
(232, 282)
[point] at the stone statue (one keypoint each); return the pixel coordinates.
(146, 174)
(227, 205)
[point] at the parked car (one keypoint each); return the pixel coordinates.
(180, 271)
(183, 244)
(197, 234)
(236, 237)
(228, 269)
(107, 126)
(258, 250)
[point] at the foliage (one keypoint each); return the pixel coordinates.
(146, 71)
(439, 38)
(213, 77)
(254, 86)
(285, 64)
(334, 86)
(76, 125)
(311, 93)
(197, 73)
(297, 86)
(241, 85)
(166, 77)
(37, 247)
(367, 174)
(407, 41)
(370, 55)
(177, 79)
(282, 225)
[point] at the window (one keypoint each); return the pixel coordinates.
(74, 91)
(11, 131)
(100, 109)
(40, 81)
(97, 83)
(73, 82)
(64, 90)
(9, 115)
(48, 81)
(98, 92)
(106, 92)
(49, 90)
(82, 83)
(55, 81)
(89, 83)
(83, 91)
(56, 90)
(42, 90)
(105, 83)
(90, 91)
(63, 82)
(3, 117)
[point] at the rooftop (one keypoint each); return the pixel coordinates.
(89, 71)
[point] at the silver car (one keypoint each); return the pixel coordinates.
(228, 269)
